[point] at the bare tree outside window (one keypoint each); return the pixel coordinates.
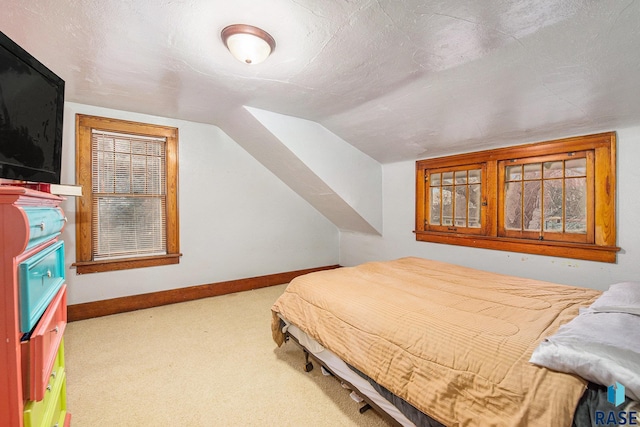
(547, 197)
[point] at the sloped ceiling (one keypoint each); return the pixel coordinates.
(397, 79)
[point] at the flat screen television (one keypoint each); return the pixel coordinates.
(31, 114)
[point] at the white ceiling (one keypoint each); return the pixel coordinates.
(398, 79)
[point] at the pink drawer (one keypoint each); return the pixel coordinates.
(43, 345)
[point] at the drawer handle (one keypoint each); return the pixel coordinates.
(41, 226)
(48, 273)
(48, 387)
(65, 219)
(56, 330)
(53, 374)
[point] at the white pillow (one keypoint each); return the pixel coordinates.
(599, 347)
(621, 298)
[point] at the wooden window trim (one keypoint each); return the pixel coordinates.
(84, 262)
(603, 249)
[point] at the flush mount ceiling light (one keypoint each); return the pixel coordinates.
(247, 43)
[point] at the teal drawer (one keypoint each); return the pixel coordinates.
(44, 224)
(40, 278)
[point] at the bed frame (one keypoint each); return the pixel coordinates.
(368, 403)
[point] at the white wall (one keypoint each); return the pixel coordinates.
(237, 220)
(353, 175)
(398, 239)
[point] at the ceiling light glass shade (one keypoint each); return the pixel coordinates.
(248, 44)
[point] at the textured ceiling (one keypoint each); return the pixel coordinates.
(398, 79)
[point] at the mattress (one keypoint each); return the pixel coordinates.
(452, 341)
(594, 399)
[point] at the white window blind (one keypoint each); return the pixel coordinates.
(129, 195)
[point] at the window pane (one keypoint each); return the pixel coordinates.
(436, 179)
(475, 201)
(105, 144)
(553, 205)
(513, 206)
(122, 146)
(461, 177)
(553, 169)
(435, 206)
(129, 226)
(461, 205)
(138, 147)
(155, 175)
(447, 205)
(576, 167)
(532, 215)
(447, 178)
(475, 176)
(576, 205)
(139, 174)
(105, 180)
(155, 149)
(533, 171)
(123, 182)
(514, 173)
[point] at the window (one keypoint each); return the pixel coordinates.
(128, 216)
(547, 198)
(553, 198)
(455, 198)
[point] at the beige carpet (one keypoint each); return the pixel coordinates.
(209, 362)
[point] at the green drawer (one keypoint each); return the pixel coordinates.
(40, 278)
(52, 409)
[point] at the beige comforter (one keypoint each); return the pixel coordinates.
(453, 341)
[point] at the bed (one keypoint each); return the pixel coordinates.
(431, 343)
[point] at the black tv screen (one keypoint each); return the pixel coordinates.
(31, 114)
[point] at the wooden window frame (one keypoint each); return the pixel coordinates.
(429, 226)
(84, 258)
(587, 237)
(603, 217)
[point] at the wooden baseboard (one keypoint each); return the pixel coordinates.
(136, 302)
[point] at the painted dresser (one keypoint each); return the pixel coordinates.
(33, 310)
